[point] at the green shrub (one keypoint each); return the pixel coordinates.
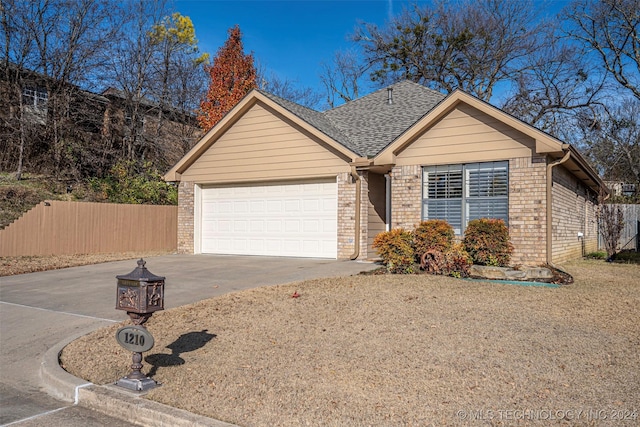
(129, 182)
(434, 234)
(395, 247)
(596, 255)
(487, 241)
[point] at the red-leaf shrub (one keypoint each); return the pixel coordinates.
(487, 242)
(434, 234)
(458, 262)
(395, 247)
(454, 262)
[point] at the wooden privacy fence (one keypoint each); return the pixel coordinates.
(629, 236)
(67, 228)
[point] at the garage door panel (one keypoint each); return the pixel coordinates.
(274, 226)
(329, 226)
(240, 226)
(329, 205)
(280, 220)
(292, 226)
(274, 206)
(257, 206)
(310, 226)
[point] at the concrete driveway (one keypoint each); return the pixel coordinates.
(40, 310)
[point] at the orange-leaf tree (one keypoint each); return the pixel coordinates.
(233, 75)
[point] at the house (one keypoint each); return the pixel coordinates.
(162, 133)
(275, 178)
(109, 121)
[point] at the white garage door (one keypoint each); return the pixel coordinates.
(297, 220)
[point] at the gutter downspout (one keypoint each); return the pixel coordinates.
(550, 167)
(356, 241)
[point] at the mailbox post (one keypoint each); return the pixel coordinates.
(140, 294)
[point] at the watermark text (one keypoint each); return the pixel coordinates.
(590, 414)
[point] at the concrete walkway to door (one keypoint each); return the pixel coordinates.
(39, 311)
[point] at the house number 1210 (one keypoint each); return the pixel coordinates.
(135, 338)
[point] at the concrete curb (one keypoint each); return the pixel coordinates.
(56, 381)
(129, 406)
(110, 400)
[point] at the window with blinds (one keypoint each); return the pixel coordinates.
(460, 193)
(442, 189)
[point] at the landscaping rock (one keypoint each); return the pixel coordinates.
(538, 273)
(516, 275)
(489, 272)
(506, 273)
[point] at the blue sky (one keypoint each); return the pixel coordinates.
(290, 38)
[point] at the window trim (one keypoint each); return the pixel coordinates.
(37, 96)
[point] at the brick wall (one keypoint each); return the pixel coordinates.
(527, 203)
(573, 213)
(185, 217)
(406, 196)
(527, 209)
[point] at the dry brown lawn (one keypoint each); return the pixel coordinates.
(13, 265)
(396, 350)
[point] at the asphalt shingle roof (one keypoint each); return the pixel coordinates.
(371, 123)
(314, 118)
(367, 125)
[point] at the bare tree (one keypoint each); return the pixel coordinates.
(612, 141)
(610, 225)
(50, 49)
(558, 88)
(178, 77)
(611, 30)
(343, 77)
(288, 89)
(15, 49)
(471, 45)
(130, 68)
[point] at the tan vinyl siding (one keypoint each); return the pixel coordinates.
(466, 135)
(263, 146)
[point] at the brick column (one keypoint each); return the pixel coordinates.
(185, 217)
(347, 215)
(406, 196)
(527, 209)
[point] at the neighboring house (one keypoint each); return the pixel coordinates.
(125, 122)
(172, 131)
(275, 178)
(623, 189)
(32, 90)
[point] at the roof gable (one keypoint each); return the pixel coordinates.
(235, 114)
(544, 143)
